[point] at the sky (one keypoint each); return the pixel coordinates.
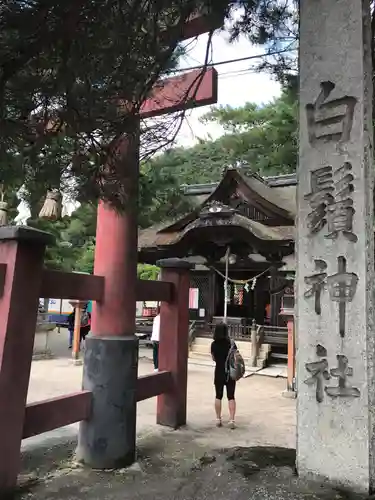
(238, 84)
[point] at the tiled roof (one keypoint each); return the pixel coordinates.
(277, 193)
(150, 238)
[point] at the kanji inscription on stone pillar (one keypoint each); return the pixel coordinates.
(335, 248)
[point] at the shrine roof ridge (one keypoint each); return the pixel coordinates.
(283, 180)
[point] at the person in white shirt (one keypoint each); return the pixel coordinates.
(155, 337)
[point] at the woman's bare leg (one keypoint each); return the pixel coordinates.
(218, 408)
(232, 409)
(231, 387)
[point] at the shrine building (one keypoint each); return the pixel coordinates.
(243, 225)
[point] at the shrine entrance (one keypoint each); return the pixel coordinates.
(243, 231)
(244, 302)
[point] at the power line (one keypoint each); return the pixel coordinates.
(232, 74)
(230, 61)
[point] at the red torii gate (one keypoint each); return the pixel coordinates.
(113, 363)
(114, 317)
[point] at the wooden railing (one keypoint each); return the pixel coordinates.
(50, 414)
(22, 282)
(74, 286)
(53, 413)
(236, 332)
(154, 384)
(274, 335)
(192, 332)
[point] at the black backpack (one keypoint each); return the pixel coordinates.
(234, 364)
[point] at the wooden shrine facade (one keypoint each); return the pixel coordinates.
(252, 219)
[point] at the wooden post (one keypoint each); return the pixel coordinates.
(77, 330)
(174, 343)
(254, 344)
(291, 389)
(291, 355)
(22, 251)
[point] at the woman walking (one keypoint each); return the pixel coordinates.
(155, 337)
(220, 348)
(85, 325)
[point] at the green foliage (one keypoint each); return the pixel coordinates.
(82, 225)
(74, 240)
(160, 199)
(56, 105)
(263, 137)
(272, 24)
(48, 77)
(59, 256)
(148, 272)
(68, 71)
(267, 136)
(85, 261)
(160, 195)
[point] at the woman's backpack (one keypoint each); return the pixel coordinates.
(235, 364)
(85, 319)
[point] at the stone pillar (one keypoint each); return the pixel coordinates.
(174, 343)
(335, 250)
(107, 439)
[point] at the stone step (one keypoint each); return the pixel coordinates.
(242, 346)
(208, 341)
(200, 351)
(201, 361)
(210, 364)
(246, 353)
(208, 356)
(204, 358)
(201, 354)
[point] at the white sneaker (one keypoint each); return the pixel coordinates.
(156, 370)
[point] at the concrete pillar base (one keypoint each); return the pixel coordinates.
(108, 439)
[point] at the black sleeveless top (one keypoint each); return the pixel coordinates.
(219, 351)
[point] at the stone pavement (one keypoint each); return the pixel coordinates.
(58, 376)
(253, 462)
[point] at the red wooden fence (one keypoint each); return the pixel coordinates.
(53, 413)
(22, 282)
(50, 414)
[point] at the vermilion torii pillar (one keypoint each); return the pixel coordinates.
(107, 440)
(116, 237)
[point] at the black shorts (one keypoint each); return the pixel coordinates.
(230, 386)
(85, 330)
